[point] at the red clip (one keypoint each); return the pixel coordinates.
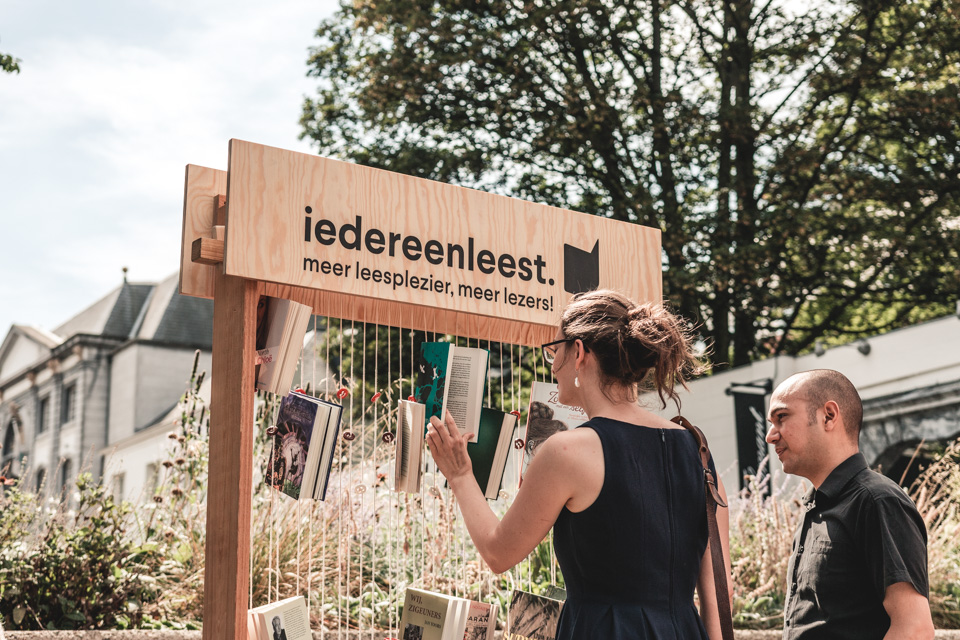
(515, 413)
(412, 398)
(376, 396)
(342, 393)
(299, 390)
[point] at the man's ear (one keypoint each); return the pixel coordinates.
(831, 415)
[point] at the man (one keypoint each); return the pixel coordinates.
(279, 633)
(859, 563)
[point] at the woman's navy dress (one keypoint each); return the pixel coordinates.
(631, 559)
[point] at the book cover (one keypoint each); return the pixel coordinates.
(291, 442)
(281, 327)
(481, 621)
(452, 378)
(532, 617)
(546, 416)
(431, 616)
(408, 468)
(284, 620)
(325, 462)
(489, 453)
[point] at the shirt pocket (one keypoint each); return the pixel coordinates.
(830, 570)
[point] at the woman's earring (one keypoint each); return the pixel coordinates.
(576, 381)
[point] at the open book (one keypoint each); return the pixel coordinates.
(281, 326)
(284, 620)
(489, 453)
(452, 378)
(303, 446)
(433, 616)
(408, 468)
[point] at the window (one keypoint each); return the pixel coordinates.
(65, 476)
(43, 410)
(153, 477)
(41, 478)
(67, 402)
(118, 486)
(9, 440)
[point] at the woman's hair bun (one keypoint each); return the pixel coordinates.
(634, 344)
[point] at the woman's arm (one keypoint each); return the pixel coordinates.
(706, 588)
(548, 484)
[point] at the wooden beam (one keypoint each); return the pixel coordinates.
(230, 482)
(219, 209)
(207, 251)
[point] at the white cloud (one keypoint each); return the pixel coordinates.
(112, 102)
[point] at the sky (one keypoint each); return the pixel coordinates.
(114, 99)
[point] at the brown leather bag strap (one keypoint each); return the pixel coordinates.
(713, 500)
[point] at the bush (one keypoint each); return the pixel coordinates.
(77, 570)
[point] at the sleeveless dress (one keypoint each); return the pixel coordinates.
(631, 560)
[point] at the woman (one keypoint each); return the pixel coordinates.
(623, 492)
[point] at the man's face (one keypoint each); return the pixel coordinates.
(276, 625)
(795, 438)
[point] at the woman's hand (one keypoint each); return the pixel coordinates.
(449, 448)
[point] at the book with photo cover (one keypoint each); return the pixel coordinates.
(284, 620)
(490, 452)
(281, 327)
(303, 446)
(532, 617)
(481, 620)
(452, 378)
(408, 466)
(546, 416)
(432, 616)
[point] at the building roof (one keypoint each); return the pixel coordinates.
(146, 311)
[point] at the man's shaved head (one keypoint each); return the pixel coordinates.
(819, 386)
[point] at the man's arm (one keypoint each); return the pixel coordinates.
(909, 613)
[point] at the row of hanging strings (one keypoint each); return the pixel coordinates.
(353, 554)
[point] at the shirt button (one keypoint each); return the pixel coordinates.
(800, 550)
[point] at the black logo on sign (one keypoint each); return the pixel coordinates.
(581, 270)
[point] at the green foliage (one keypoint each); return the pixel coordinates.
(78, 570)
(803, 167)
(9, 64)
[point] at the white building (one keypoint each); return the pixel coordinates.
(909, 380)
(108, 377)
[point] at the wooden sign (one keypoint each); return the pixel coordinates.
(389, 248)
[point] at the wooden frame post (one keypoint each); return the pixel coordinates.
(230, 481)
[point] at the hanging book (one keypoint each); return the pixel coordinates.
(284, 620)
(546, 416)
(303, 447)
(452, 378)
(408, 468)
(281, 326)
(489, 453)
(432, 616)
(481, 621)
(532, 617)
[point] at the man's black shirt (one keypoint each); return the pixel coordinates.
(860, 533)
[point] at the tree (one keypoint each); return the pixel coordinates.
(9, 64)
(802, 167)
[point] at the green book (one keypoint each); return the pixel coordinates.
(489, 453)
(452, 378)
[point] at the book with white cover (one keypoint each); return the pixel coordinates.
(546, 416)
(432, 616)
(284, 620)
(408, 469)
(281, 327)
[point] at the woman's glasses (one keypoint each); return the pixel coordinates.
(550, 349)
